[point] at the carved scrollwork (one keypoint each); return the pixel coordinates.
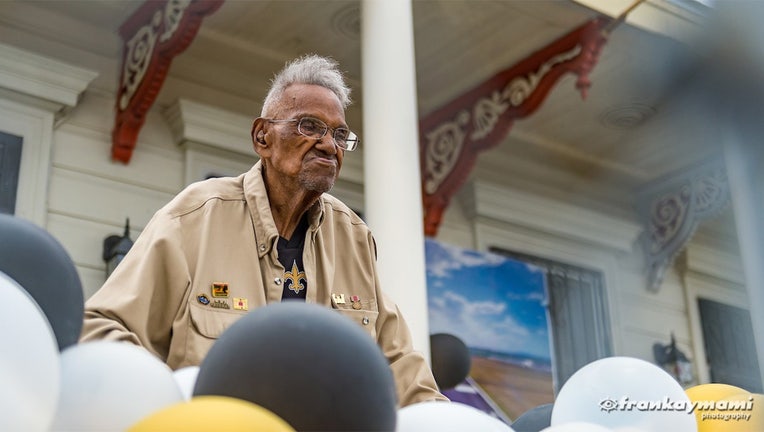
(673, 214)
(711, 193)
(486, 115)
(173, 13)
(139, 51)
(487, 110)
(667, 217)
(444, 144)
(520, 88)
(153, 35)
(450, 143)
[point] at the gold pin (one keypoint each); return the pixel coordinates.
(356, 302)
(240, 303)
(338, 298)
(219, 289)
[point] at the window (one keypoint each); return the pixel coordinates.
(578, 315)
(10, 162)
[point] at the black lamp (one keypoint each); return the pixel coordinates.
(115, 248)
(673, 361)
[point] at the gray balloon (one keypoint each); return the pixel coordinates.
(309, 365)
(38, 262)
(451, 360)
(535, 419)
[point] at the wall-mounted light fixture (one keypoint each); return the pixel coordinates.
(673, 361)
(115, 248)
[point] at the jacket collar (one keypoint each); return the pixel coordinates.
(266, 233)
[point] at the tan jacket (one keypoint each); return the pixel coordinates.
(222, 231)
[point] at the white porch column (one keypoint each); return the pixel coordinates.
(391, 158)
(745, 162)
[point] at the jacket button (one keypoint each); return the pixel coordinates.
(277, 281)
(262, 247)
(365, 320)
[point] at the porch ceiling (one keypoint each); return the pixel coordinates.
(631, 129)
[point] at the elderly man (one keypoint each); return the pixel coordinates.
(225, 246)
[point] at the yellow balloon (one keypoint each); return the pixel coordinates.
(743, 412)
(726, 408)
(706, 395)
(712, 391)
(212, 413)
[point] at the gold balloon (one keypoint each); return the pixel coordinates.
(712, 391)
(212, 413)
(725, 408)
(742, 412)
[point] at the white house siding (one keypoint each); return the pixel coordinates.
(90, 196)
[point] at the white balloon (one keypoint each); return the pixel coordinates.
(620, 392)
(186, 380)
(109, 386)
(447, 417)
(30, 373)
(577, 427)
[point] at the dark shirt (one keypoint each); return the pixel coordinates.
(290, 255)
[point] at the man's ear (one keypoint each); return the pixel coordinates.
(259, 141)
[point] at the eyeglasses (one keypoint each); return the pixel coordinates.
(314, 128)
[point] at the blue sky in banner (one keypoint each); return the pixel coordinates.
(487, 300)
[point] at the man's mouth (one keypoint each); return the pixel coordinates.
(324, 160)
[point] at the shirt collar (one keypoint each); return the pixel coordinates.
(266, 233)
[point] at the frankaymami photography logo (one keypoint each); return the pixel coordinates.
(727, 410)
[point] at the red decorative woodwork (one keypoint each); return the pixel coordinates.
(153, 35)
(451, 137)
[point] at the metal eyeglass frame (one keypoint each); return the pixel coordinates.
(349, 144)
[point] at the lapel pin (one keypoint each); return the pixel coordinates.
(219, 289)
(240, 303)
(220, 304)
(338, 298)
(356, 302)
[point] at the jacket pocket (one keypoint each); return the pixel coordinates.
(211, 323)
(365, 318)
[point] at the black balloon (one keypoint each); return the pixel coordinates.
(451, 360)
(535, 419)
(40, 265)
(309, 365)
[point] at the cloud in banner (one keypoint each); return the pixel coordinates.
(445, 259)
(479, 324)
(488, 301)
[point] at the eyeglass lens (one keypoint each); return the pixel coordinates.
(315, 128)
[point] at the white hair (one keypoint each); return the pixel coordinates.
(308, 69)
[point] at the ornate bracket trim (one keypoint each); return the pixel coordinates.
(452, 136)
(153, 36)
(671, 210)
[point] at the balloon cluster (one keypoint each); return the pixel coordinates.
(279, 368)
(624, 394)
(285, 367)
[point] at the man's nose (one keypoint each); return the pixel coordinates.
(327, 144)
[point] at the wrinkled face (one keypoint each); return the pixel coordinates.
(292, 158)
